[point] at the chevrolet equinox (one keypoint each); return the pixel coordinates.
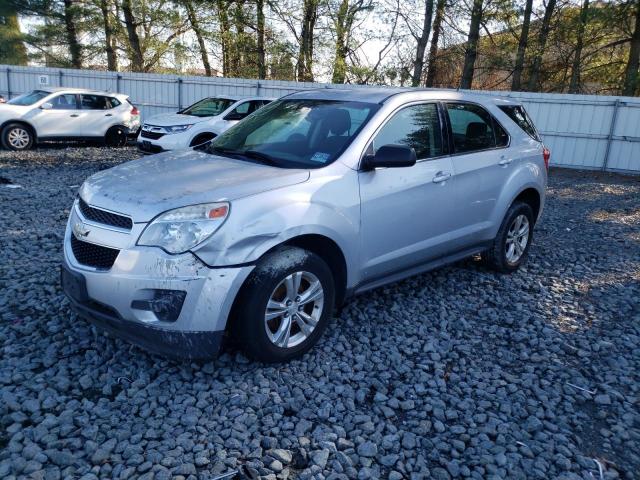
(310, 200)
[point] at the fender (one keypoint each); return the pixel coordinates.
(528, 175)
(20, 120)
(261, 222)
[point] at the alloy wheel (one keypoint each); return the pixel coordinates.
(294, 309)
(18, 138)
(517, 238)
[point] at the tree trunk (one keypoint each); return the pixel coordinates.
(305, 54)
(137, 59)
(574, 83)
(109, 36)
(631, 76)
(516, 80)
(225, 40)
(534, 73)
(72, 35)
(433, 51)
(340, 60)
(418, 63)
(195, 26)
(471, 51)
(262, 66)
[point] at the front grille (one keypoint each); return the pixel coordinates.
(152, 135)
(93, 255)
(102, 216)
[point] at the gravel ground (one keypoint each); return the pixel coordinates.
(459, 373)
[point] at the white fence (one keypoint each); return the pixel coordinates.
(582, 131)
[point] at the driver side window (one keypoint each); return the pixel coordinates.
(64, 102)
(417, 126)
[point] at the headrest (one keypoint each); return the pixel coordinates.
(338, 120)
(476, 130)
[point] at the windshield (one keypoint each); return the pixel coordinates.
(29, 98)
(208, 107)
(296, 133)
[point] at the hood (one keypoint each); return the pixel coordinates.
(172, 119)
(7, 110)
(149, 186)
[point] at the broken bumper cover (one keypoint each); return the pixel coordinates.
(117, 300)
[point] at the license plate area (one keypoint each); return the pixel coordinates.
(74, 285)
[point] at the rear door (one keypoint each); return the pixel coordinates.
(98, 113)
(482, 162)
(407, 213)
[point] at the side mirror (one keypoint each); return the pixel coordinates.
(46, 106)
(391, 156)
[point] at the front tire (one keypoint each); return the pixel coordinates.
(17, 137)
(285, 305)
(511, 245)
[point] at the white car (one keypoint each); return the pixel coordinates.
(196, 125)
(67, 113)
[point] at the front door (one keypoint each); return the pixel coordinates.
(406, 213)
(63, 119)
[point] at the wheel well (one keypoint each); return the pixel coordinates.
(21, 122)
(531, 197)
(204, 135)
(331, 253)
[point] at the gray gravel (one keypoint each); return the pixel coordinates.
(459, 373)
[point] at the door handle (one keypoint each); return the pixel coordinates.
(74, 115)
(108, 115)
(441, 177)
(505, 161)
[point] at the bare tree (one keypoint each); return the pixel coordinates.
(536, 64)
(471, 49)
(135, 50)
(435, 38)
(197, 30)
(344, 22)
(516, 79)
(574, 83)
(421, 47)
(631, 75)
(262, 65)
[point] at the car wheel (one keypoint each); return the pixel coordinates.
(511, 246)
(284, 306)
(16, 136)
(202, 141)
(115, 137)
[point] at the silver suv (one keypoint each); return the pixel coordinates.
(310, 200)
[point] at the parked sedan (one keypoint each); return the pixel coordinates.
(197, 125)
(316, 197)
(67, 113)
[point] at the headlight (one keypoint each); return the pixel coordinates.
(178, 128)
(182, 229)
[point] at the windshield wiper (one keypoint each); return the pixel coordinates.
(262, 157)
(228, 152)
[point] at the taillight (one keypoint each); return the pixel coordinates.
(546, 155)
(135, 111)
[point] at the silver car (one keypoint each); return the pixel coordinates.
(312, 199)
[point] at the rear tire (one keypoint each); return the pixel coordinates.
(17, 137)
(285, 305)
(511, 246)
(116, 137)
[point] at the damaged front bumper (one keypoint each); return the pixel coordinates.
(173, 305)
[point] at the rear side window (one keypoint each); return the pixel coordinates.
(417, 126)
(472, 127)
(518, 114)
(95, 102)
(113, 102)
